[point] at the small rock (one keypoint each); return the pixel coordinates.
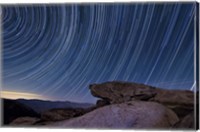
(25, 121)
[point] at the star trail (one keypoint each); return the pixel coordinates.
(58, 50)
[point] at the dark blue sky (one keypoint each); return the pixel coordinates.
(58, 50)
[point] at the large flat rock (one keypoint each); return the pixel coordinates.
(181, 101)
(119, 92)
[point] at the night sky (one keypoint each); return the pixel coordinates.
(58, 50)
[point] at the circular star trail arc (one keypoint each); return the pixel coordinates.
(58, 50)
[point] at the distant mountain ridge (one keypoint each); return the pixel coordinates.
(14, 109)
(42, 106)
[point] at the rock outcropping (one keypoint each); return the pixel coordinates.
(121, 105)
(119, 92)
(180, 101)
(130, 105)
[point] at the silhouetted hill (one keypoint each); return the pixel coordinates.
(14, 109)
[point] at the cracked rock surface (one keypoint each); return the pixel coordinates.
(133, 114)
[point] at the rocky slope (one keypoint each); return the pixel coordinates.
(133, 114)
(63, 114)
(124, 105)
(131, 105)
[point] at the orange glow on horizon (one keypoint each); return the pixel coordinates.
(21, 95)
